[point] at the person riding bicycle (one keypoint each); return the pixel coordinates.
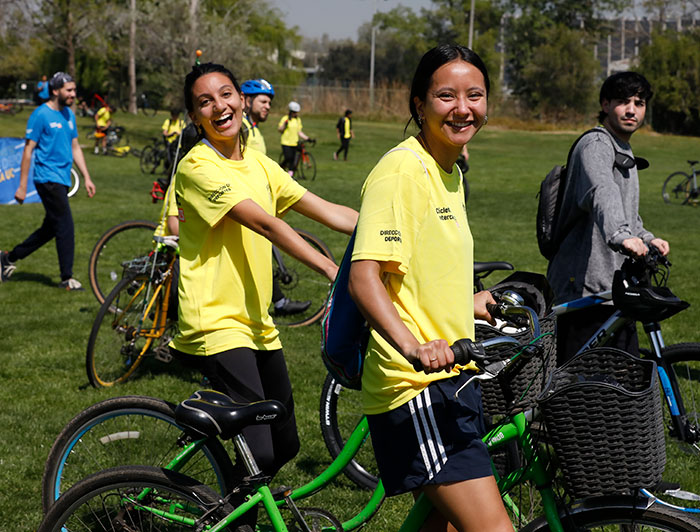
(601, 206)
(230, 202)
(290, 127)
(412, 278)
(103, 121)
(258, 95)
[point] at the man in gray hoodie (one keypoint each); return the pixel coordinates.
(601, 208)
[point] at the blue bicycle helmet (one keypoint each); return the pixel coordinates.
(253, 87)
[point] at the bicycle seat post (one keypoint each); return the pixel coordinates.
(246, 455)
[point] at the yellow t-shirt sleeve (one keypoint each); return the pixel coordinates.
(391, 216)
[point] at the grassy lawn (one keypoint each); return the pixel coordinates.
(44, 331)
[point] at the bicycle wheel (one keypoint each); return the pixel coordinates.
(300, 283)
(307, 166)
(676, 188)
(683, 457)
(146, 160)
(75, 182)
(136, 430)
(340, 412)
(619, 513)
(117, 343)
(123, 242)
(134, 498)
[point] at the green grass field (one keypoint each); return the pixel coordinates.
(44, 331)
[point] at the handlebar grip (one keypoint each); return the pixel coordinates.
(462, 350)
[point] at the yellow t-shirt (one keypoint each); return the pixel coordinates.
(419, 224)
(255, 139)
(172, 126)
(102, 117)
(225, 287)
(347, 132)
(169, 209)
(290, 136)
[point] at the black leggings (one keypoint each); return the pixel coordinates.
(290, 157)
(344, 145)
(58, 224)
(247, 375)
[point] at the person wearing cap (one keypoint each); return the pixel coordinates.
(258, 95)
(291, 129)
(52, 138)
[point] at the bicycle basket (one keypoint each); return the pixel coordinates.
(141, 265)
(602, 412)
(530, 381)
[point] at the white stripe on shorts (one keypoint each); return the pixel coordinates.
(429, 440)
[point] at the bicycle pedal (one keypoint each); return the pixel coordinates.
(162, 354)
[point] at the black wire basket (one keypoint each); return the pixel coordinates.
(530, 381)
(602, 412)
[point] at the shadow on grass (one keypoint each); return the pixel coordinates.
(28, 277)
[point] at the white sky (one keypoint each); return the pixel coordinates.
(340, 19)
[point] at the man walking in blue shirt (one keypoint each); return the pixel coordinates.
(52, 136)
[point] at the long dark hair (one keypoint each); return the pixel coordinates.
(430, 62)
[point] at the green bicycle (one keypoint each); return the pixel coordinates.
(144, 497)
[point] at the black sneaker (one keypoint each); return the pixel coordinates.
(7, 268)
(70, 285)
(290, 307)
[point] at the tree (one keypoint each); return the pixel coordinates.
(671, 63)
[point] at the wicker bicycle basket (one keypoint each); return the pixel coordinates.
(602, 411)
(531, 380)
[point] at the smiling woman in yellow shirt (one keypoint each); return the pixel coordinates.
(230, 202)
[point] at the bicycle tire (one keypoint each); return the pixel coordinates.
(337, 423)
(136, 430)
(149, 110)
(122, 242)
(145, 160)
(75, 182)
(684, 456)
(303, 284)
(115, 347)
(676, 188)
(103, 502)
(307, 167)
(590, 514)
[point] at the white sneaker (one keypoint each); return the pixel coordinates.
(71, 284)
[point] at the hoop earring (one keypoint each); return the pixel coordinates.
(420, 121)
(486, 120)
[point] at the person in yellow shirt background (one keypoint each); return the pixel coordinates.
(345, 133)
(290, 127)
(258, 101)
(103, 120)
(172, 128)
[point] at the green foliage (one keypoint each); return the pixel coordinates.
(561, 74)
(672, 64)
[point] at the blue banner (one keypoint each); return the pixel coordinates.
(11, 149)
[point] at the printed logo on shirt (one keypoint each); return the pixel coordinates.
(56, 125)
(181, 214)
(29, 131)
(444, 213)
(391, 235)
(223, 189)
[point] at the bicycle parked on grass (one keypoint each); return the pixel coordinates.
(678, 369)
(11, 107)
(155, 157)
(117, 141)
(681, 188)
(134, 497)
(304, 161)
(145, 102)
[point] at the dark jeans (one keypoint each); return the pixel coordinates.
(247, 375)
(344, 145)
(58, 224)
(576, 328)
(290, 157)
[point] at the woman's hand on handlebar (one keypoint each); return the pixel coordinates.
(434, 356)
(661, 245)
(481, 299)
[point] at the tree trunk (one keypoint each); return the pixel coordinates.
(132, 57)
(70, 42)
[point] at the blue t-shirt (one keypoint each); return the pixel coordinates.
(43, 87)
(53, 131)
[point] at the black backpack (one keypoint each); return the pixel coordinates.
(551, 195)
